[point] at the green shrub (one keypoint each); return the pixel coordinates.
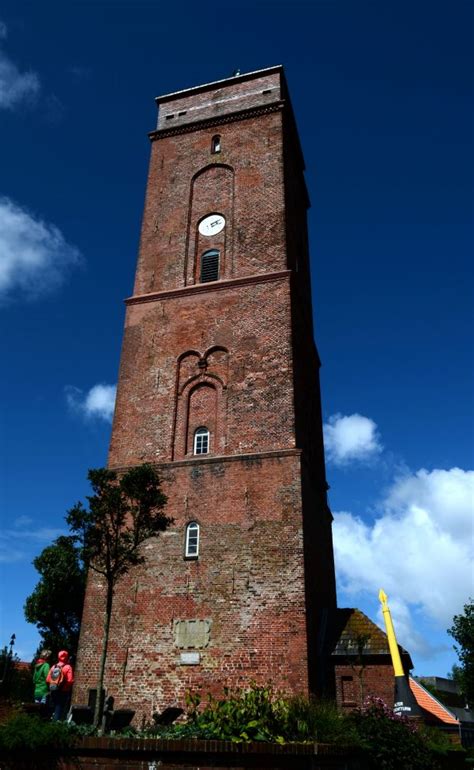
(16, 682)
(259, 714)
(310, 719)
(31, 734)
(252, 715)
(437, 740)
(391, 741)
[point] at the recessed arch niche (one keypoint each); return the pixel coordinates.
(212, 192)
(201, 388)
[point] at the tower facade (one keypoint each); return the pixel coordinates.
(219, 388)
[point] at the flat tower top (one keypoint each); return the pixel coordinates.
(219, 83)
(221, 98)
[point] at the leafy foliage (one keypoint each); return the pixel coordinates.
(23, 732)
(15, 682)
(252, 715)
(33, 743)
(258, 714)
(386, 740)
(462, 632)
(391, 741)
(319, 720)
(123, 513)
(55, 606)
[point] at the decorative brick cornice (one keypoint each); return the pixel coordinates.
(200, 288)
(253, 457)
(217, 120)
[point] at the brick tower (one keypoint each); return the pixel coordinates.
(219, 388)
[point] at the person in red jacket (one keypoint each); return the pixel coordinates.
(60, 679)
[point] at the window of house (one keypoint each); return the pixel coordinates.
(201, 441)
(216, 144)
(348, 690)
(210, 266)
(191, 547)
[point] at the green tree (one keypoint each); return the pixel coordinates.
(462, 632)
(55, 606)
(123, 512)
(15, 680)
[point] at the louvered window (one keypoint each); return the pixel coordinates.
(210, 266)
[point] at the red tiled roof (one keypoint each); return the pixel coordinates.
(429, 703)
(22, 665)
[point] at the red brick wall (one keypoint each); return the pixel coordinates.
(249, 580)
(375, 679)
(242, 350)
(244, 183)
(220, 98)
(252, 322)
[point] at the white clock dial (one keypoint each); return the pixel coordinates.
(212, 224)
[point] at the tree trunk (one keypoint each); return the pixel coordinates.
(103, 657)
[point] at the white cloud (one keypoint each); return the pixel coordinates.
(34, 256)
(15, 542)
(419, 549)
(350, 438)
(98, 402)
(15, 86)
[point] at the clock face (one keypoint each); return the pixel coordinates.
(212, 224)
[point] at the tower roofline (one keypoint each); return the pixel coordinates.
(218, 83)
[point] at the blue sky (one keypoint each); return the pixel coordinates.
(382, 93)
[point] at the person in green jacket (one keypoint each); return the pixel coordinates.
(39, 677)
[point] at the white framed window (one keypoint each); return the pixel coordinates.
(191, 546)
(201, 441)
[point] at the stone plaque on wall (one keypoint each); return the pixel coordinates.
(189, 658)
(191, 634)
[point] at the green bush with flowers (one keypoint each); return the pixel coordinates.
(392, 741)
(383, 740)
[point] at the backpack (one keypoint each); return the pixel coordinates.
(56, 677)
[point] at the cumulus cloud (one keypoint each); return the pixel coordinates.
(15, 86)
(419, 549)
(98, 402)
(34, 255)
(351, 438)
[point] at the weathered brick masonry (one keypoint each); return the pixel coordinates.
(237, 356)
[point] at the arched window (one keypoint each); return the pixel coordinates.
(201, 441)
(210, 266)
(216, 144)
(191, 545)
